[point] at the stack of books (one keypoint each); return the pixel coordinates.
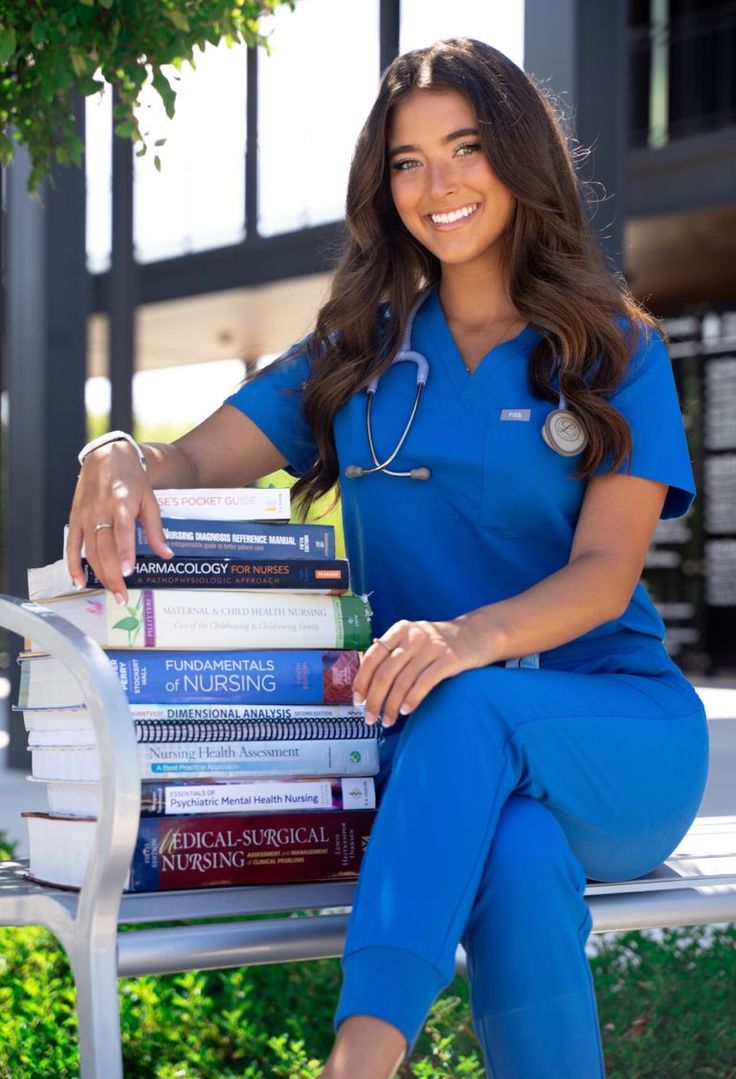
(237, 656)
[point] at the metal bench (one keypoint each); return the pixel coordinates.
(696, 886)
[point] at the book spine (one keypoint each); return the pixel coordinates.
(207, 539)
(198, 852)
(322, 576)
(306, 676)
(184, 618)
(253, 730)
(225, 678)
(235, 504)
(64, 719)
(342, 757)
(256, 796)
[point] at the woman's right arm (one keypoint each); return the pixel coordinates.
(225, 450)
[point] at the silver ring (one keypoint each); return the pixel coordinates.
(101, 526)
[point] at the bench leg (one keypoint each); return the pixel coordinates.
(98, 1015)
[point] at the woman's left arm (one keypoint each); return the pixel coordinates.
(615, 526)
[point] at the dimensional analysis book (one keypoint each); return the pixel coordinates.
(199, 677)
(77, 719)
(319, 576)
(170, 760)
(204, 852)
(210, 796)
(183, 618)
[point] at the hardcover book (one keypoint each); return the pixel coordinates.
(199, 677)
(183, 618)
(320, 576)
(200, 852)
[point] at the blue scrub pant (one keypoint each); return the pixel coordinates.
(507, 788)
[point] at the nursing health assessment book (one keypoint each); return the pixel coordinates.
(209, 796)
(320, 576)
(170, 760)
(204, 852)
(183, 618)
(226, 503)
(198, 677)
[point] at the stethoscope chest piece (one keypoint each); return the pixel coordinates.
(564, 433)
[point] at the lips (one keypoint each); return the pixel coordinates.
(454, 218)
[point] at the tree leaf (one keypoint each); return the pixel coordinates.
(7, 46)
(39, 32)
(179, 19)
(105, 3)
(78, 63)
(157, 162)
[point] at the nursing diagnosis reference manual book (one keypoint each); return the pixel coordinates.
(183, 618)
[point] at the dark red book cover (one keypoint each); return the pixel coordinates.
(237, 849)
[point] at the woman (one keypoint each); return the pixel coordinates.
(539, 732)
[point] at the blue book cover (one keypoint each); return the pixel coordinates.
(311, 676)
(207, 538)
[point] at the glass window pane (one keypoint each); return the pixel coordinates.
(314, 93)
(197, 200)
(500, 25)
(98, 172)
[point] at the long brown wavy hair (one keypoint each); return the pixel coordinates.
(557, 277)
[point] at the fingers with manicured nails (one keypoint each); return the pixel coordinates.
(74, 551)
(150, 517)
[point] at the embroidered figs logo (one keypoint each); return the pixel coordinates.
(132, 623)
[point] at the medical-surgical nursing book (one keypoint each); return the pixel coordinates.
(200, 852)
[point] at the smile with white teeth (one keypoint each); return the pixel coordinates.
(454, 215)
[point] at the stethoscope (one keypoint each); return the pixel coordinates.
(562, 431)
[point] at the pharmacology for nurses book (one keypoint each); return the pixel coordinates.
(183, 618)
(202, 677)
(319, 576)
(198, 852)
(195, 797)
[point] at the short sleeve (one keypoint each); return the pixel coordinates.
(273, 401)
(647, 399)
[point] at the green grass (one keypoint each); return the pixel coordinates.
(666, 1008)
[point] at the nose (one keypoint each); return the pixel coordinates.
(441, 176)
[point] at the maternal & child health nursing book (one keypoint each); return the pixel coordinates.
(183, 618)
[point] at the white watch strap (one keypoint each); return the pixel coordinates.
(112, 436)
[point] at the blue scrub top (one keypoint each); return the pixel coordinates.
(499, 511)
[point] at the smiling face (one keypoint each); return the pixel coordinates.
(442, 184)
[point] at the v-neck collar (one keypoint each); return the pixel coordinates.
(470, 384)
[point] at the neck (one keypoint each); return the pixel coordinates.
(474, 297)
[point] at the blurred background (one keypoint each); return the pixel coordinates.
(138, 291)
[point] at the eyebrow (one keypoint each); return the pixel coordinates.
(446, 138)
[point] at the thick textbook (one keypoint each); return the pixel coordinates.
(78, 719)
(169, 760)
(314, 575)
(205, 852)
(223, 677)
(209, 796)
(186, 618)
(226, 503)
(207, 538)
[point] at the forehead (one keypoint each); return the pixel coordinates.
(429, 114)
